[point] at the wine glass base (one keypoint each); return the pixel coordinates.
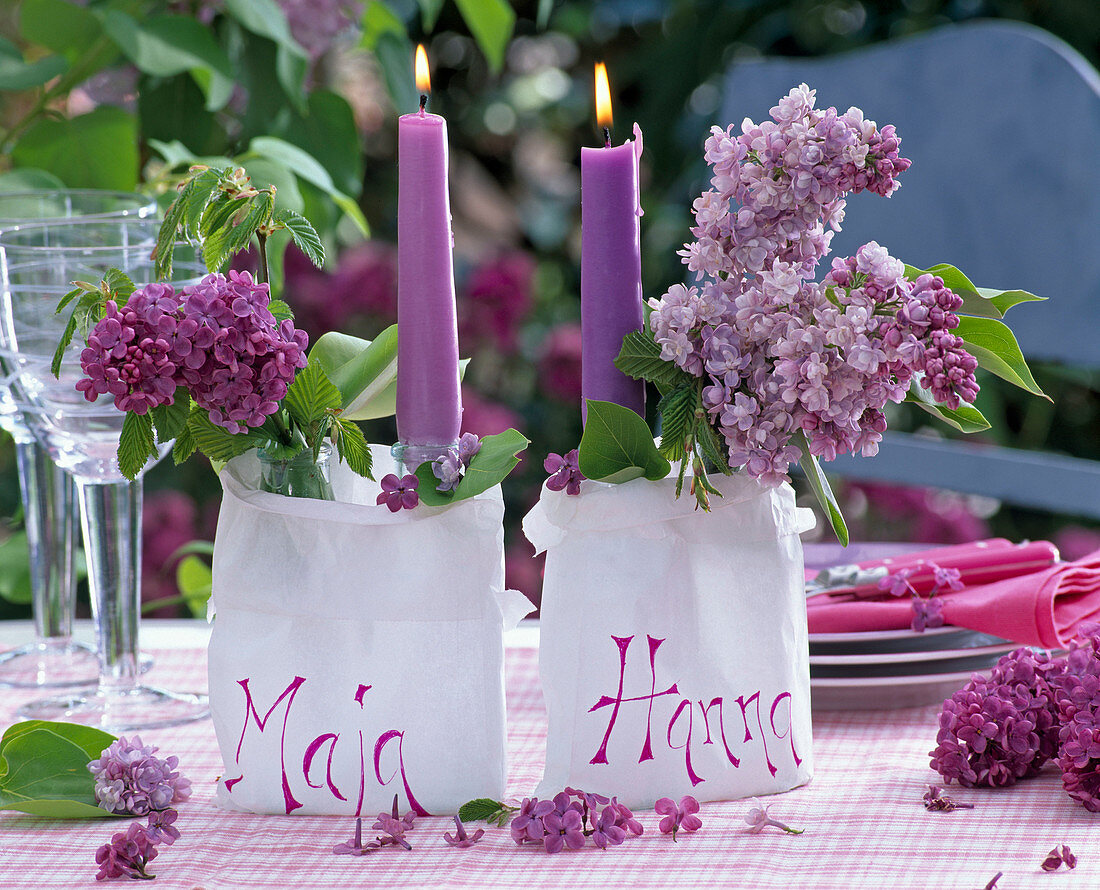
(53, 664)
(121, 710)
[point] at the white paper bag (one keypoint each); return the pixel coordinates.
(357, 653)
(673, 653)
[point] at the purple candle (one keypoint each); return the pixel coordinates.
(611, 261)
(429, 402)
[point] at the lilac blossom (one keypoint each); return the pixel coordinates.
(356, 847)
(563, 829)
(1059, 856)
(936, 800)
(527, 825)
(758, 819)
(779, 352)
(161, 828)
(565, 472)
(897, 583)
(572, 817)
(926, 613)
(217, 338)
(131, 779)
(127, 855)
(399, 494)
(678, 816)
(949, 578)
(460, 839)
(1078, 703)
(450, 467)
(994, 732)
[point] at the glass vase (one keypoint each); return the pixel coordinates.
(300, 476)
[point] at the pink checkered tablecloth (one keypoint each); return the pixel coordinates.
(865, 825)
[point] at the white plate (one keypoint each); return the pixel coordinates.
(883, 693)
(921, 655)
(893, 641)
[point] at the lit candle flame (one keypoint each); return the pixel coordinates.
(603, 97)
(423, 78)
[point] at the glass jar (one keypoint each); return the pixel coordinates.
(300, 476)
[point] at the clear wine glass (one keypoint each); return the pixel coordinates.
(37, 265)
(53, 658)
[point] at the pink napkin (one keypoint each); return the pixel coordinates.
(1041, 609)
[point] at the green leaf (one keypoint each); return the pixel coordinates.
(27, 178)
(379, 19)
(67, 334)
(491, 22)
(307, 168)
(15, 569)
(17, 74)
(45, 769)
(497, 457)
(821, 488)
(237, 237)
(640, 358)
(95, 150)
(616, 443)
(166, 45)
(966, 418)
(66, 28)
(185, 444)
(195, 581)
(281, 310)
(304, 235)
(135, 444)
(1004, 300)
(216, 442)
(268, 172)
(713, 446)
(352, 446)
(169, 420)
(311, 396)
(479, 810)
(362, 370)
(395, 56)
(267, 19)
(994, 346)
(677, 410)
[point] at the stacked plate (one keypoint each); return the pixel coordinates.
(874, 670)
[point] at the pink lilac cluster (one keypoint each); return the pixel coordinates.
(131, 779)
(217, 338)
(678, 816)
(996, 731)
(1078, 698)
(570, 819)
(130, 851)
(781, 352)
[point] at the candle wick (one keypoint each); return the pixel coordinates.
(423, 101)
(607, 137)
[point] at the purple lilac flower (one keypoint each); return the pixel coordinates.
(161, 829)
(936, 800)
(996, 731)
(527, 826)
(949, 578)
(1078, 701)
(399, 494)
(130, 779)
(356, 847)
(217, 338)
(564, 472)
(926, 613)
(460, 839)
(758, 819)
(897, 583)
(780, 352)
(127, 855)
(678, 817)
(1059, 856)
(563, 829)
(393, 831)
(608, 830)
(448, 470)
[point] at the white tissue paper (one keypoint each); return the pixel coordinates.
(357, 653)
(673, 649)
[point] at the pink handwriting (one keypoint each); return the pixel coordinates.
(682, 722)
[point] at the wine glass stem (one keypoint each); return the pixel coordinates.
(48, 499)
(110, 515)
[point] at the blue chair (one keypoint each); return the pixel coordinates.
(1002, 122)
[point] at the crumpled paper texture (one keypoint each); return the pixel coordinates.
(673, 648)
(357, 653)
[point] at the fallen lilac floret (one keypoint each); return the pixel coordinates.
(127, 855)
(678, 817)
(460, 839)
(1059, 856)
(935, 800)
(758, 819)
